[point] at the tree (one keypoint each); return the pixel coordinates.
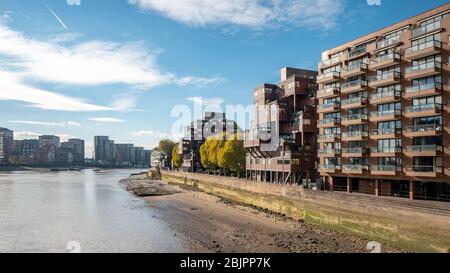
(166, 146)
(204, 154)
(177, 161)
(232, 155)
(216, 144)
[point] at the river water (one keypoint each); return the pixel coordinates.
(83, 211)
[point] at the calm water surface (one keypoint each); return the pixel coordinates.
(44, 211)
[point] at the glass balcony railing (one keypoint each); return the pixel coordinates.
(327, 75)
(355, 167)
(328, 91)
(386, 76)
(386, 168)
(423, 148)
(420, 47)
(386, 150)
(355, 134)
(425, 66)
(386, 113)
(386, 57)
(353, 84)
(423, 107)
(354, 117)
(329, 167)
(385, 131)
(382, 95)
(331, 61)
(328, 105)
(354, 67)
(355, 150)
(388, 42)
(329, 136)
(424, 128)
(354, 100)
(329, 151)
(329, 121)
(423, 169)
(421, 30)
(422, 87)
(356, 52)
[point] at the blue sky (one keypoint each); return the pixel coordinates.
(79, 68)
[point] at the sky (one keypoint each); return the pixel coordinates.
(130, 69)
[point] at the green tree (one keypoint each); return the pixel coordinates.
(166, 146)
(232, 155)
(177, 161)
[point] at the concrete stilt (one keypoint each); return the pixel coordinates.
(349, 185)
(411, 190)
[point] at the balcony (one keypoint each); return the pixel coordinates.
(328, 77)
(385, 151)
(329, 168)
(328, 107)
(388, 42)
(428, 28)
(354, 169)
(329, 152)
(356, 53)
(354, 86)
(355, 152)
(423, 90)
(385, 115)
(423, 50)
(356, 102)
(328, 92)
(422, 171)
(326, 123)
(423, 70)
(385, 79)
(355, 136)
(354, 70)
(385, 97)
(327, 138)
(354, 119)
(330, 62)
(423, 150)
(385, 169)
(384, 61)
(424, 110)
(423, 130)
(385, 133)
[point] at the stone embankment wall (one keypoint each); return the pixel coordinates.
(416, 225)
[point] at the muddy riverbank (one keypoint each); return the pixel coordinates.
(217, 225)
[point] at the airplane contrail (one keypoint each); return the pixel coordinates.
(56, 16)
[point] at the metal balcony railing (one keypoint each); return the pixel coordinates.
(385, 131)
(353, 84)
(329, 167)
(421, 30)
(329, 151)
(355, 134)
(388, 42)
(331, 61)
(356, 52)
(354, 67)
(386, 57)
(386, 150)
(328, 105)
(386, 76)
(328, 121)
(355, 117)
(355, 150)
(386, 168)
(329, 75)
(354, 100)
(385, 113)
(328, 91)
(423, 169)
(329, 136)
(355, 167)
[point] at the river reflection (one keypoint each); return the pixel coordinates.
(44, 211)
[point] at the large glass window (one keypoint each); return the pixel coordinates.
(427, 80)
(397, 124)
(427, 100)
(432, 140)
(436, 120)
(389, 106)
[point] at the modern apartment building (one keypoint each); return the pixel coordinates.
(78, 149)
(6, 144)
(384, 112)
(103, 149)
(213, 123)
(281, 144)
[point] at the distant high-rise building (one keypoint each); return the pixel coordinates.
(78, 149)
(26, 150)
(124, 154)
(104, 149)
(46, 140)
(6, 144)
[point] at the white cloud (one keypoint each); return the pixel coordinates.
(74, 2)
(206, 101)
(156, 135)
(11, 88)
(107, 120)
(45, 123)
(314, 14)
(26, 135)
(86, 64)
(64, 37)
